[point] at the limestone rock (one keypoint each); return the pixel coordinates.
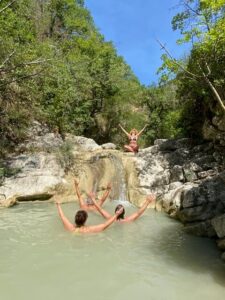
(80, 143)
(175, 185)
(221, 243)
(189, 175)
(215, 130)
(40, 139)
(219, 225)
(204, 201)
(170, 145)
(108, 146)
(172, 199)
(11, 201)
(176, 174)
(38, 173)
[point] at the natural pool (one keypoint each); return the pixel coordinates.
(149, 259)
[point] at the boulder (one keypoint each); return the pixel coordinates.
(108, 146)
(172, 198)
(80, 143)
(221, 243)
(190, 175)
(204, 201)
(171, 145)
(37, 173)
(218, 224)
(39, 138)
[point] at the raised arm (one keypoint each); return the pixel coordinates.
(140, 132)
(101, 227)
(124, 130)
(80, 199)
(137, 214)
(67, 225)
(105, 195)
(103, 212)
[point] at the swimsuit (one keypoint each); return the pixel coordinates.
(133, 143)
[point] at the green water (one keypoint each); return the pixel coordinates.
(149, 259)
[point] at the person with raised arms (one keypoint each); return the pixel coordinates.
(120, 208)
(133, 138)
(80, 220)
(88, 204)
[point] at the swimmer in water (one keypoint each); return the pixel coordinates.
(89, 205)
(121, 217)
(80, 219)
(133, 137)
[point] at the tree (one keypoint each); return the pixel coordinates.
(202, 22)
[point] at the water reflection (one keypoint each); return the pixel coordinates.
(200, 255)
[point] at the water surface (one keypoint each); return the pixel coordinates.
(149, 259)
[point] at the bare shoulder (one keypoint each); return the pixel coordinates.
(83, 229)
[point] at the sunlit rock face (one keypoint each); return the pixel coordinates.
(36, 173)
(188, 179)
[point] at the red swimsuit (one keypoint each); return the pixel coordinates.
(133, 144)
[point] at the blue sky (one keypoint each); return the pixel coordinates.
(133, 26)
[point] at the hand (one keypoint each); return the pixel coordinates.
(91, 195)
(76, 182)
(109, 186)
(56, 198)
(150, 198)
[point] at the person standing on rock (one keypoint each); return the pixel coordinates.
(121, 217)
(80, 220)
(89, 205)
(133, 137)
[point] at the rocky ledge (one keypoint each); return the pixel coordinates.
(189, 180)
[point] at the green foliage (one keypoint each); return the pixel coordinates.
(65, 156)
(164, 112)
(202, 74)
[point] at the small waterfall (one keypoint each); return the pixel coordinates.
(107, 167)
(119, 179)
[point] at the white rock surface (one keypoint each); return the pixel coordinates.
(80, 143)
(37, 173)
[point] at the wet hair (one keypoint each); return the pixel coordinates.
(118, 207)
(80, 218)
(134, 131)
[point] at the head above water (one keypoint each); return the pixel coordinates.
(134, 131)
(118, 207)
(80, 218)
